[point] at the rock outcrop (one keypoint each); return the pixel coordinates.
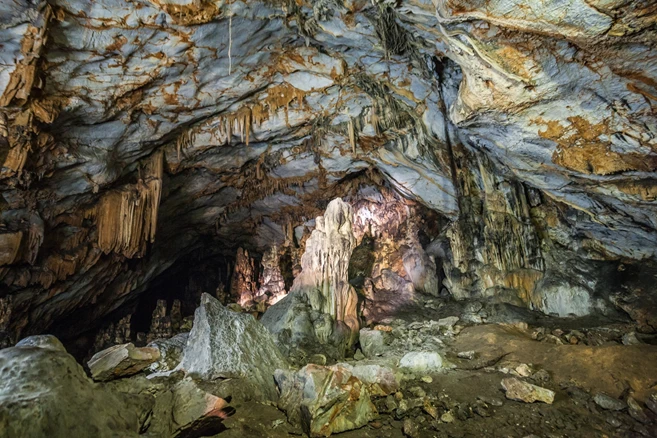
(225, 344)
(45, 393)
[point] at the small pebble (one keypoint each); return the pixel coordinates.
(427, 379)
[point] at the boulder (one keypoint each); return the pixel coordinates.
(372, 342)
(225, 344)
(121, 361)
(42, 341)
(526, 392)
(325, 400)
(171, 351)
(195, 412)
(44, 392)
(421, 362)
(381, 380)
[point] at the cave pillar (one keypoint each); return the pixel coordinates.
(324, 277)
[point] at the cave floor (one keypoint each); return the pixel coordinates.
(470, 389)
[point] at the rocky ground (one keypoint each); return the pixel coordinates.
(593, 372)
(438, 369)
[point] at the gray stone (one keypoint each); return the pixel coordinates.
(609, 403)
(228, 344)
(372, 342)
(195, 412)
(121, 361)
(44, 392)
(171, 351)
(421, 362)
(42, 341)
(636, 411)
(448, 322)
(359, 355)
(631, 339)
(469, 355)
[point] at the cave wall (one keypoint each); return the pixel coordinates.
(534, 134)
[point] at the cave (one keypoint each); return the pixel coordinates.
(328, 218)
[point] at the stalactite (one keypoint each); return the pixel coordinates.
(10, 244)
(352, 135)
(127, 217)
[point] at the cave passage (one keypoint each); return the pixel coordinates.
(328, 218)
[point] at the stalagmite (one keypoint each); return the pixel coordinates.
(272, 284)
(242, 284)
(322, 286)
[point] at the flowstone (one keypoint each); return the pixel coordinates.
(321, 306)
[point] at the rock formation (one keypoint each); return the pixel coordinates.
(496, 162)
(225, 344)
(325, 400)
(242, 285)
(322, 305)
(45, 392)
(272, 284)
(119, 161)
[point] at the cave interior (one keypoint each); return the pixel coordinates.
(331, 217)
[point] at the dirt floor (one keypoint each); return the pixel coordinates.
(469, 401)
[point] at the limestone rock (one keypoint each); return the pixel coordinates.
(422, 270)
(196, 413)
(171, 352)
(42, 341)
(243, 286)
(45, 393)
(325, 400)
(526, 392)
(228, 344)
(421, 362)
(120, 361)
(479, 135)
(272, 284)
(609, 403)
(321, 305)
(372, 342)
(381, 379)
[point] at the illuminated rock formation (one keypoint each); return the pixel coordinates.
(322, 305)
(242, 285)
(272, 284)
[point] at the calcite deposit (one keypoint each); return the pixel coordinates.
(408, 171)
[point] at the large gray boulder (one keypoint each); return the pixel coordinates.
(44, 392)
(225, 344)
